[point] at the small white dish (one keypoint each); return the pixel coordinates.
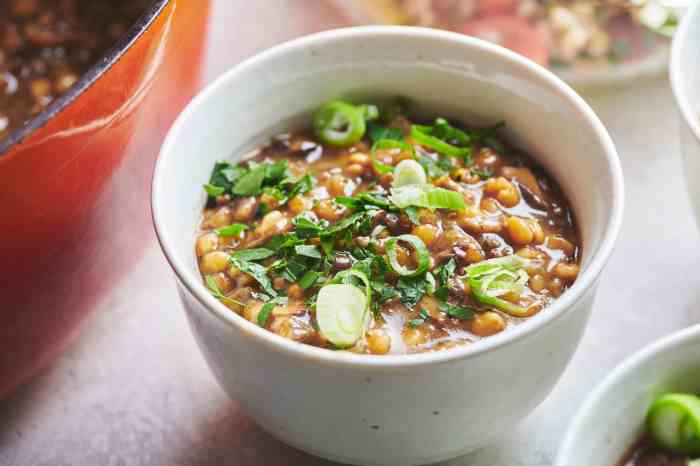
(387, 410)
(685, 68)
(611, 420)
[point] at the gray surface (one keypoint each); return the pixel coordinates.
(135, 391)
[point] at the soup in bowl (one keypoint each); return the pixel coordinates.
(645, 413)
(374, 234)
(297, 246)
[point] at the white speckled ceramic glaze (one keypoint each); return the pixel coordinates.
(388, 410)
(612, 418)
(685, 80)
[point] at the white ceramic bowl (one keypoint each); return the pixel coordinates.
(685, 68)
(389, 409)
(612, 418)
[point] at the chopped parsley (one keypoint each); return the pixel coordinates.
(218, 294)
(214, 191)
(361, 249)
(231, 230)
(412, 290)
(458, 312)
(253, 254)
(378, 132)
(257, 271)
(267, 309)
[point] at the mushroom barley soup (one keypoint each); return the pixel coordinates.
(376, 235)
(672, 436)
(46, 45)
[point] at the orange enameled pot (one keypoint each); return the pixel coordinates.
(74, 185)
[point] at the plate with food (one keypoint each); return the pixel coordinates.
(586, 42)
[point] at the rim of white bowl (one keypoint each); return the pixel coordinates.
(680, 39)
(621, 372)
(194, 284)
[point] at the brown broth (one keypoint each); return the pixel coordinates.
(46, 45)
(643, 453)
(518, 193)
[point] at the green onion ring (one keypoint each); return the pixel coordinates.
(342, 276)
(480, 294)
(673, 422)
(341, 314)
(339, 123)
(384, 144)
(422, 136)
(421, 253)
(409, 172)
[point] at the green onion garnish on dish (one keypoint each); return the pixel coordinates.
(421, 254)
(392, 145)
(335, 236)
(673, 422)
(409, 172)
(342, 313)
(436, 137)
(339, 123)
(493, 278)
(426, 195)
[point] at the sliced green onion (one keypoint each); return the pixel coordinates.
(341, 313)
(496, 277)
(412, 214)
(346, 276)
(423, 136)
(422, 255)
(409, 172)
(369, 112)
(442, 129)
(388, 144)
(674, 423)
(231, 230)
(426, 195)
(503, 282)
(339, 123)
(498, 303)
(512, 263)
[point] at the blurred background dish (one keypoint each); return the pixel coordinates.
(586, 42)
(612, 418)
(88, 90)
(685, 65)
